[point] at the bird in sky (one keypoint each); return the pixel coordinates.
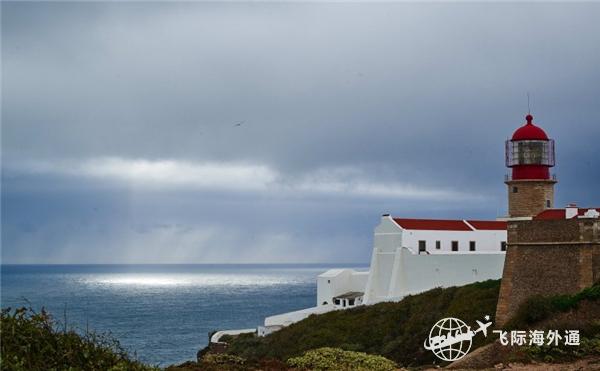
(238, 123)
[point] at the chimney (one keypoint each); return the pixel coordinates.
(571, 211)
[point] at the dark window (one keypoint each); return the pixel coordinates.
(454, 245)
(515, 189)
(422, 246)
(350, 301)
(547, 203)
(324, 303)
(503, 246)
(438, 245)
(471, 245)
(328, 281)
(336, 302)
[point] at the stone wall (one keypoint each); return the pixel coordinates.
(530, 196)
(543, 231)
(548, 257)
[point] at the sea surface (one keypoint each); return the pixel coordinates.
(162, 313)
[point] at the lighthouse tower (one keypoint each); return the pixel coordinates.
(549, 252)
(530, 155)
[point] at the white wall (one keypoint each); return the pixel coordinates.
(387, 237)
(336, 282)
(287, 319)
(420, 273)
(397, 270)
(359, 281)
(216, 337)
(485, 240)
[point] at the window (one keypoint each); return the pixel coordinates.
(547, 203)
(530, 152)
(471, 245)
(422, 246)
(351, 302)
(336, 301)
(324, 303)
(503, 246)
(454, 245)
(438, 245)
(515, 189)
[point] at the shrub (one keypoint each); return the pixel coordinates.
(539, 308)
(338, 359)
(395, 330)
(550, 353)
(222, 359)
(30, 341)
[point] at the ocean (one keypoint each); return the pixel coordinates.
(162, 313)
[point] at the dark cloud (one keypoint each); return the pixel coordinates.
(419, 97)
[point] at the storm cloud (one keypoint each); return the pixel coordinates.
(277, 132)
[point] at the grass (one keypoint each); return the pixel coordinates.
(326, 359)
(396, 331)
(393, 330)
(539, 308)
(31, 341)
(556, 313)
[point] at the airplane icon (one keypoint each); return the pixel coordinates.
(482, 327)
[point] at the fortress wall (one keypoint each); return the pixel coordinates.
(548, 257)
(423, 272)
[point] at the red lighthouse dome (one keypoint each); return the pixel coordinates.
(529, 131)
(530, 153)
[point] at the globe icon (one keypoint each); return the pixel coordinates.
(445, 328)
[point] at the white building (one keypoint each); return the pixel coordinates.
(409, 256)
(415, 255)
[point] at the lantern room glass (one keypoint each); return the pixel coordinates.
(530, 152)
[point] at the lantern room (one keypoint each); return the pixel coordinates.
(529, 152)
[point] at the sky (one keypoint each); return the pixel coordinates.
(252, 132)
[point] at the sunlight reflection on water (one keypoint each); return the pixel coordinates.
(200, 280)
(164, 313)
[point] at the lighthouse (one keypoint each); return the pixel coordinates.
(529, 155)
(549, 251)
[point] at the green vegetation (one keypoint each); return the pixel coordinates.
(395, 331)
(560, 313)
(562, 353)
(227, 362)
(215, 362)
(336, 359)
(223, 359)
(375, 337)
(30, 341)
(539, 308)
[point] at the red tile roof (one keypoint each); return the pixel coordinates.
(432, 224)
(488, 225)
(551, 214)
(449, 225)
(559, 213)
